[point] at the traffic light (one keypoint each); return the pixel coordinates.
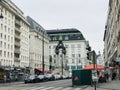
(50, 62)
(57, 50)
(88, 48)
(94, 57)
(88, 55)
(50, 67)
(88, 52)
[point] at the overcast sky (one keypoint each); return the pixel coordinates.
(88, 16)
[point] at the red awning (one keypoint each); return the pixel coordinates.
(45, 71)
(91, 67)
(39, 69)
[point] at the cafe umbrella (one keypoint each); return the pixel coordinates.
(91, 67)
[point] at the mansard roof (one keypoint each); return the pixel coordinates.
(56, 31)
(35, 26)
(72, 34)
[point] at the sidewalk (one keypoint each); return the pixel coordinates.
(111, 85)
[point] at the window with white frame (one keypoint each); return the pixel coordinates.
(78, 46)
(8, 46)
(8, 38)
(1, 26)
(4, 44)
(0, 53)
(4, 53)
(73, 60)
(0, 43)
(1, 35)
(11, 39)
(5, 28)
(5, 37)
(8, 55)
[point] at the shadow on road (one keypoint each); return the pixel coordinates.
(81, 87)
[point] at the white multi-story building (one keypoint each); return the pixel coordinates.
(39, 47)
(24, 43)
(7, 37)
(75, 46)
(14, 36)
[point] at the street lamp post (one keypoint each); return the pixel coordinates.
(62, 64)
(43, 65)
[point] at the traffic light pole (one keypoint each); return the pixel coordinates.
(91, 55)
(62, 66)
(95, 67)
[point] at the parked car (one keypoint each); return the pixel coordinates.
(41, 78)
(31, 79)
(57, 77)
(50, 77)
(67, 77)
(63, 77)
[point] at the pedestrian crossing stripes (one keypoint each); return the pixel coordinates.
(48, 88)
(41, 88)
(59, 88)
(36, 88)
(68, 88)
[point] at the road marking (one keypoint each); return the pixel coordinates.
(58, 88)
(68, 88)
(32, 88)
(77, 88)
(48, 88)
(36, 88)
(41, 88)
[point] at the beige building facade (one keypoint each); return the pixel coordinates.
(39, 47)
(112, 32)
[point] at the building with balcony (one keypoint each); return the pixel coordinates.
(14, 37)
(39, 46)
(112, 32)
(6, 37)
(75, 46)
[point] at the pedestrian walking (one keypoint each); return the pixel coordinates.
(114, 74)
(5, 78)
(106, 74)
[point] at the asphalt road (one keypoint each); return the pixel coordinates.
(58, 85)
(50, 85)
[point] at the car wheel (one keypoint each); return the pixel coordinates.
(25, 82)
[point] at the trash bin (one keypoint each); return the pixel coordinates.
(81, 77)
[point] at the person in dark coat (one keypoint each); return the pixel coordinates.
(114, 75)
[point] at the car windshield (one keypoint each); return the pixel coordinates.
(49, 75)
(31, 77)
(41, 76)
